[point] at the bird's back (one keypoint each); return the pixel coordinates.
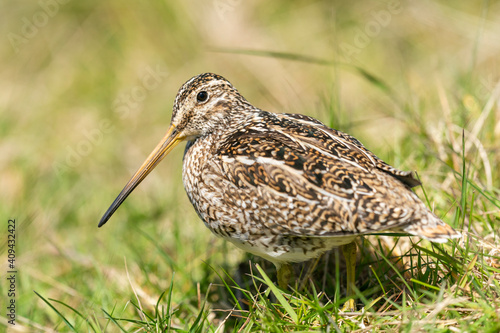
(286, 174)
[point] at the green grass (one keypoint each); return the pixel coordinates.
(422, 94)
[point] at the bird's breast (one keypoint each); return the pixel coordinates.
(202, 181)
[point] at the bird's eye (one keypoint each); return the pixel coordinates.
(202, 96)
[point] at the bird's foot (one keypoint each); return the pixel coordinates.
(349, 306)
(285, 274)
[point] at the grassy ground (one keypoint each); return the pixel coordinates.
(86, 93)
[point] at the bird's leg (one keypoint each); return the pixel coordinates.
(349, 251)
(309, 272)
(285, 273)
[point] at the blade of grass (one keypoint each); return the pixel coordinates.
(233, 296)
(161, 252)
(279, 296)
(169, 301)
(75, 311)
(398, 273)
(425, 284)
(111, 318)
(195, 328)
(378, 82)
(378, 279)
(58, 313)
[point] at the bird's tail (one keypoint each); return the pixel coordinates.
(430, 227)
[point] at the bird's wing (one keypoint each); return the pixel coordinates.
(363, 155)
(317, 181)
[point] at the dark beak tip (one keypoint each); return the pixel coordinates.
(102, 222)
(169, 141)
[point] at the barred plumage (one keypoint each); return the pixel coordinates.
(282, 186)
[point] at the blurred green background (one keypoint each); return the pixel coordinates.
(87, 90)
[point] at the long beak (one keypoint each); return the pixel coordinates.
(170, 140)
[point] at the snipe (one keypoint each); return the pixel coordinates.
(284, 187)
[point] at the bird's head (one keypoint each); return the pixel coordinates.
(204, 104)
